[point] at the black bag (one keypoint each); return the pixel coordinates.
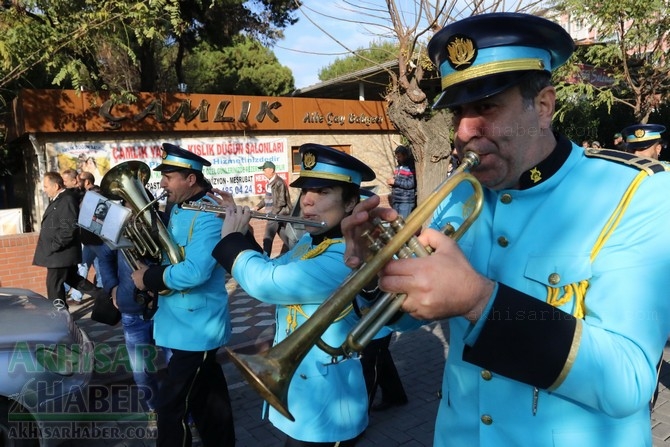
(105, 312)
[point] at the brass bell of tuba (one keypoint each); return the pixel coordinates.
(270, 372)
(144, 228)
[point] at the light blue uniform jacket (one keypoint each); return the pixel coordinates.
(523, 239)
(194, 316)
(328, 400)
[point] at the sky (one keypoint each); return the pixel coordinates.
(326, 29)
(307, 49)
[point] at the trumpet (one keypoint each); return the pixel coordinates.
(270, 372)
(208, 208)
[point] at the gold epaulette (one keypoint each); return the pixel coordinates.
(649, 165)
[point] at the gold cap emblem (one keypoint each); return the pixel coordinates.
(462, 52)
(309, 160)
(164, 154)
(639, 133)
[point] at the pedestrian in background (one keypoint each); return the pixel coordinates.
(192, 319)
(618, 142)
(326, 395)
(276, 201)
(379, 369)
(71, 183)
(137, 327)
(58, 246)
(403, 182)
(90, 241)
(555, 324)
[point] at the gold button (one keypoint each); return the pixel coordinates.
(502, 241)
(506, 198)
(487, 420)
(554, 279)
(486, 375)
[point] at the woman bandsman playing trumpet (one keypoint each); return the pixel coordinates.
(327, 399)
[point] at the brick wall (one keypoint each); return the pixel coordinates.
(16, 258)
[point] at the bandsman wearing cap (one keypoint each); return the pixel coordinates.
(644, 140)
(192, 319)
(326, 397)
(557, 294)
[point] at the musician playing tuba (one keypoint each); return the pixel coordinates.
(326, 396)
(192, 320)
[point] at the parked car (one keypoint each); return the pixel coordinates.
(46, 363)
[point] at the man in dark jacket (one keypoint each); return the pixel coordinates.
(276, 201)
(58, 247)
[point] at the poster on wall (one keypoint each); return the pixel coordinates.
(235, 161)
(11, 221)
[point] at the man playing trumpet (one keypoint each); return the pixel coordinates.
(557, 294)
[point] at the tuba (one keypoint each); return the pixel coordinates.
(270, 372)
(144, 228)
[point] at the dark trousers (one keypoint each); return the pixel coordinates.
(272, 227)
(379, 370)
(194, 385)
(57, 277)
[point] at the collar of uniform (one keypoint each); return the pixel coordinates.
(333, 233)
(195, 198)
(547, 167)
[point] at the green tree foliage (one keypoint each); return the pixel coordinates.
(218, 22)
(113, 44)
(631, 42)
(377, 53)
(65, 42)
(245, 68)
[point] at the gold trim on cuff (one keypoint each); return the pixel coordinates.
(572, 355)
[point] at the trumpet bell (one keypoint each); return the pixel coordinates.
(267, 375)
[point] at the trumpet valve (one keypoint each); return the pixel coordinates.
(374, 244)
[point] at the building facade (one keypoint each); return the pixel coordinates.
(60, 129)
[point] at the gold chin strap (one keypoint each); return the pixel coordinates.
(577, 291)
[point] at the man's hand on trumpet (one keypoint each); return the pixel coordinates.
(441, 285)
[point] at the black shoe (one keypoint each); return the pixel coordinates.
(385, 405)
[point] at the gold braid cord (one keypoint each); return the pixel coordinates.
(577, 291)
(296, 309)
